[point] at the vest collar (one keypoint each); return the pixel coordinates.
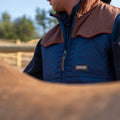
(85, 6)
(54, 36)
(99, 19)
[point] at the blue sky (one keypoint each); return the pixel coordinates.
(17, 8)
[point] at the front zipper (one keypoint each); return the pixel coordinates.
(63, 60)
(68, 38)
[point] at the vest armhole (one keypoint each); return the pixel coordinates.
(115, 25)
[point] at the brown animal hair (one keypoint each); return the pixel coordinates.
(25, 98)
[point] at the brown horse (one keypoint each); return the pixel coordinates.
(25, 98)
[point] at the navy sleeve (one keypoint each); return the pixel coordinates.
(34, 68)
(116, 49)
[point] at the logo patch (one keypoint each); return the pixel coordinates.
(119, 43)
(81, 67)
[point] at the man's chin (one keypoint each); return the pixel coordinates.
(58, 10)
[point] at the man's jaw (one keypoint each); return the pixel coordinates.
(49, 2)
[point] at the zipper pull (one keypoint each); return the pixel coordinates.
(63, 60)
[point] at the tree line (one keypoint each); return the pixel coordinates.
(24, 28)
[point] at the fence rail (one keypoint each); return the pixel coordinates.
(16, 52)
(12, 48)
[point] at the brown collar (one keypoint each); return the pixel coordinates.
(94, 17)
(99, 19)
(86, 6)
(54, 36)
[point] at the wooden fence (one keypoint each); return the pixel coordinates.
(16, 52)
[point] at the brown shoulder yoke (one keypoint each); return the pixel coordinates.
(54, 36)
(99, 19)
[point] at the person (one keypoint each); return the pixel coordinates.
(83, 48)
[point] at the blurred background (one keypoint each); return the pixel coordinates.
(22, 24)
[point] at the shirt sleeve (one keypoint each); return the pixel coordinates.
(34, 68)
(116, 49)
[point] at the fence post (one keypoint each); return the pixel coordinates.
(19, 60)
